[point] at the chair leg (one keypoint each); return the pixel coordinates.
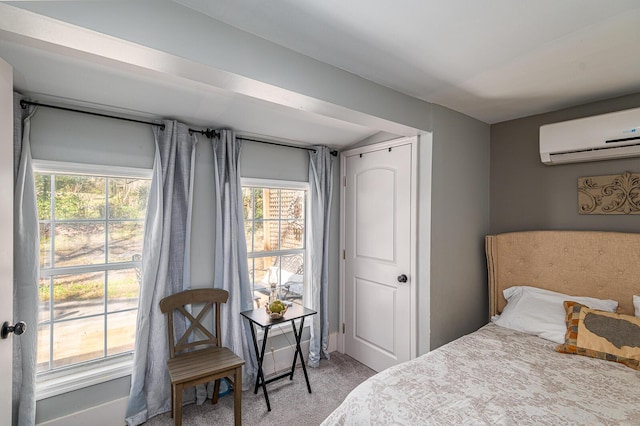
(177, 405)
(216, 392)
(172, 394)
(237, 397)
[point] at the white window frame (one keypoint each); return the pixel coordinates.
(81, 375)
(287, 184)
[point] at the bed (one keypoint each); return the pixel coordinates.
(502, 376)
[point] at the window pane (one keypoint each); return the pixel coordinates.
(292, 234)
(44, 288)
(78, 340)
(259, 243)
(292, 278)
(45, 245)
(258, 210)
(123, 288)
(125, 241)
(79, 244)
(248, 234)
(43, 196)
(263, 275)
(128, 198)
(43, 347)
(78, 295)
(247, 206)
(271, 203)
(79, 197)
(270, 239)
(121, 332)
(292, 204)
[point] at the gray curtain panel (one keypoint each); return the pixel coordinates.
(320, 189)
(26, 266)
(231, 268)
(165, 258)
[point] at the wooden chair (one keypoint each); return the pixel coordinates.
(194, 359)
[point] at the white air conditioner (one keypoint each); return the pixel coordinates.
(601, 137)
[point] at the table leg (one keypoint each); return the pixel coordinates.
(295, 352)
(260, 381)
(298, 336)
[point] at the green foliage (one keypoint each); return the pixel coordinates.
(79, 197)
(252, 202)
(43, 196)
(84, 197)
(128, 198)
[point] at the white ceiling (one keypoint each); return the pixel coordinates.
(493, 60)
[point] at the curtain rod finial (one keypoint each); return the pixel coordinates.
(210, 133)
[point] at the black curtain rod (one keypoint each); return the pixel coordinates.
(209, 133)
(334, 153)
(24, 104)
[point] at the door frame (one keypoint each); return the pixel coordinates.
(413, 270)
(6, 245)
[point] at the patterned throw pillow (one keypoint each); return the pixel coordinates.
(603, 335)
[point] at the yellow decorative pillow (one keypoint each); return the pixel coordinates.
(603, 335)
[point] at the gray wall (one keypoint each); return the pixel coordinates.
(460, 219)
(528, 195)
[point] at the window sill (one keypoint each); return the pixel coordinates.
(66, 380)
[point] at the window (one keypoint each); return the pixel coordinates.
(91, 229)
(275, 231)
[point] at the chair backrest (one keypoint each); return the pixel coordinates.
(211, 299)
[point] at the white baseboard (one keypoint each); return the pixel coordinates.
(333, 342)
(108, 414)
(113, 412)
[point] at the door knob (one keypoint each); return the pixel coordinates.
(402, 278)
(17, 329)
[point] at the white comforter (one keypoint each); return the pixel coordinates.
(496, 376)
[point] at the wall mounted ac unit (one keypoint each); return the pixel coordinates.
(601, 137)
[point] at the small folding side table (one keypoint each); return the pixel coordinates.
(260, 318)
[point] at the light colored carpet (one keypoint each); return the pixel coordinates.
(291, 403)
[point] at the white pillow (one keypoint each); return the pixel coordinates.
(541, 312)
(636, 304)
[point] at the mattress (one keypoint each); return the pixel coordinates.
(496, 376)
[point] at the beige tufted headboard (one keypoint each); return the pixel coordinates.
(605, 265)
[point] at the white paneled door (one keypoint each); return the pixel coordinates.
(379, 242)
(6, 230)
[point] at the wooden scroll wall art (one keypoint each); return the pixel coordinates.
(612, 194)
